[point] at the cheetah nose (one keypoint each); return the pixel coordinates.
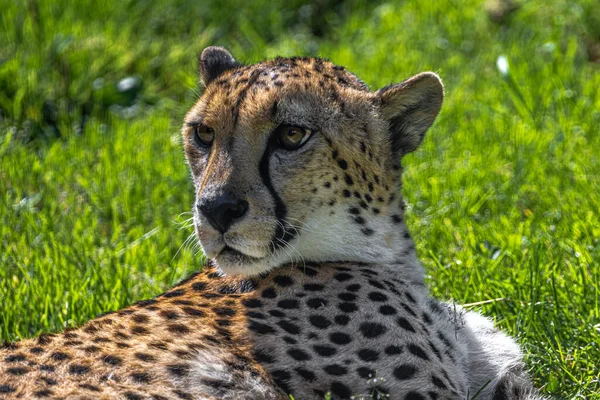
(223, 210)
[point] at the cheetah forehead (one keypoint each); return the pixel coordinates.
(298, 90)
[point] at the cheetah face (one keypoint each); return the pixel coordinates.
(296, 160)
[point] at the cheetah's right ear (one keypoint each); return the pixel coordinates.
(411, 107)
(213, 62)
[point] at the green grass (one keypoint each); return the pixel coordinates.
(504, 195)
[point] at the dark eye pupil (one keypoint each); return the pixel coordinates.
(292, 137)
(204, 135)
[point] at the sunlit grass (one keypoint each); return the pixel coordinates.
(503, 196)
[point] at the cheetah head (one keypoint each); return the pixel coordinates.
(296, 160)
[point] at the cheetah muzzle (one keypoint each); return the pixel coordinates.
(314, 285)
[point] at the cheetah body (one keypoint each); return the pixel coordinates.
(315, 286)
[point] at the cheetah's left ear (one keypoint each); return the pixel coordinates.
(411, 107)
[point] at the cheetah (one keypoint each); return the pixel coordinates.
(313, 287)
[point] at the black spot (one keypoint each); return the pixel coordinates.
(349, 180)
(193, 312)
(500, 392)
(410, 298)
(281, 378)
(87, 386)
(189, 303)
(377, 296)
(141, 377)
(112, 360)
(144, 303)
(59, 356)
(36, 350)
(417, 351)
(340, 390)
(342, 319)
(183, 395)
(174, 293)
(393, 350)
(409, 310)
(434, 350)
(343, 164)
(140, 318)
(288, 304)
(335, 370)
(43, 393)
(324, 350)
(224, 311)
(346, 193)
(354, 210)
(339, 338)
(289, 327)
(375, 283)
(438, 382)
(178, 370)
(298, 354)
(348, 307)
(305, 374)
(359, 220)
(43, 339)
(403, 322)
(345, 296)
(367, 231)
(144, 357)
(47, 368)
(427, 318)
(277, 313)
(316, 302)
(139, 330)
(289, 340)
(78, 369)
(169, 314)
(414, 396)
(199, 286)
(327, 184)
(319, 321)
(355, 287)
(387, 310)
(404, 372)
(260, 328)
(372, 329)
(264, 357)
(178, 328)
(252, 303)
(15, 358)
(396, 219)
(6, 389)
(368, 355)
(132, 396)
(342, 276)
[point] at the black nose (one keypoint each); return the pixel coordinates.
(223, 210)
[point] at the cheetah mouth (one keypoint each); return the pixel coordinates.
(234, 256)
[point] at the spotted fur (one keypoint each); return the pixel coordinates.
(315, 286)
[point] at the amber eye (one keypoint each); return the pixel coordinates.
(292, 137)
(203, 135)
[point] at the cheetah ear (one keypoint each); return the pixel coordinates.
(411, 107)
(213, 62)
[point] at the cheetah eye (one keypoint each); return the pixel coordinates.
(292, 137)
(203, 135)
